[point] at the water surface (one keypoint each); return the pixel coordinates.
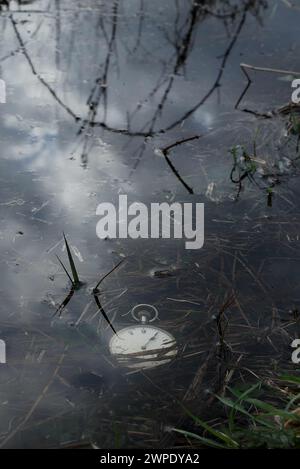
(95, 90)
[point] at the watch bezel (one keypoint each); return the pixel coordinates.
(123, 357)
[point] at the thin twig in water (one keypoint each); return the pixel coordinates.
(271, 70)
(100, 308)
(96, 290)
(165, 152)
(244, 68)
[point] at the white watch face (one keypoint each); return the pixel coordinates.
(143, 346)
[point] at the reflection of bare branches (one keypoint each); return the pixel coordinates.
(216, 84)
(33, 34)
(183, 47)
(4, 4)
(182, 43)
(291, 5)
(58, 33)
(140, 26)
(100, 89)
(36, 74)
(59, 101)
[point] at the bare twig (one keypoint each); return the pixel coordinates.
(96, 290)
(165, 152)
(245, 67)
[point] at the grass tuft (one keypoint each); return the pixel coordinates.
(253, 422)
(73, 277)
(76, 281)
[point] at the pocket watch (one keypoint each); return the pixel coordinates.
(143, 346)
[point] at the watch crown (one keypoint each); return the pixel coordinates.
(144, 313)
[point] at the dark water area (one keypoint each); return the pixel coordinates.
(96, 90)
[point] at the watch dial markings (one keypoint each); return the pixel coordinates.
(138, 341)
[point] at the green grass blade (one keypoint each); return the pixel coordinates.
(67, 273)
(205, 441)
(290, 379)
(271, 410)
(76, 280)
(241, 395)
(292, 402)
(220, 435)
(237, 405)
(234, 406)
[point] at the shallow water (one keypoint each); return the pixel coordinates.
(156, 73)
